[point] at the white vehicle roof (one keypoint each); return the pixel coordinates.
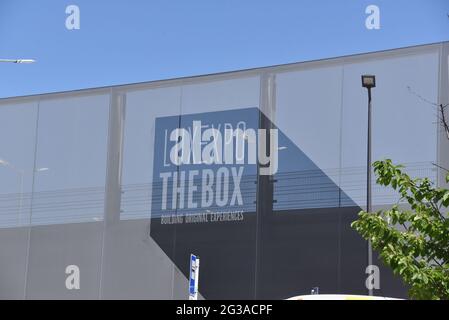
(339, 297)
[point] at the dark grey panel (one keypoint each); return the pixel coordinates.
(310, 248)
(13, 252)
(353, 254)
(52, 249)
(390, 284)
(227, 253)
(134, 267)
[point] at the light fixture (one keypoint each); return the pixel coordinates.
(369, 81)
(25, 61)
(21, 61)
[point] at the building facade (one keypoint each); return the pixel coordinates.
(258, 172)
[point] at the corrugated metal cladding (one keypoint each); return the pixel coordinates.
(126, 182)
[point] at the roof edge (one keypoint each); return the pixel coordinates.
(225, 74)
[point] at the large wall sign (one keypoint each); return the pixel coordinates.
(205, 166)
(208, 198)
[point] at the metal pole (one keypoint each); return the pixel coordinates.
(368, 181)
(21, 172)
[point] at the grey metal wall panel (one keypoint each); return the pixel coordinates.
(17, 149)
(72, 144)
(52, 249)
(142, 109)
(134, 267)
(443, 98)
(311, 120)
(401, 120)
(13, 262)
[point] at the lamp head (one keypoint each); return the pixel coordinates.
(25, 61)
(368, 81)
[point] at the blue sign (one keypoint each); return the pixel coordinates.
(193, 277)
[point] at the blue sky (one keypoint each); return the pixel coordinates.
(132, 41)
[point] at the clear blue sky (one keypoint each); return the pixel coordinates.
(131, 41)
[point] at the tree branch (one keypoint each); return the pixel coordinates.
(444, 122)
(441, 108)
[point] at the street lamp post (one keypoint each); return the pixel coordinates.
(5, 163)
(20, 61)
(369, 82)
(21, 174)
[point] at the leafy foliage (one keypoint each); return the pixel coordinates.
(413, 240)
